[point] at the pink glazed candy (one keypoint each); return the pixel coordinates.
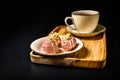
(68, 42)
(49, 47)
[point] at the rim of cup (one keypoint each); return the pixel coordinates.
(91, 12)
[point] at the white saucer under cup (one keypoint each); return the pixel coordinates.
(99, 29)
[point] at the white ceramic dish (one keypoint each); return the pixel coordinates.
(36, 47)
(97, 31)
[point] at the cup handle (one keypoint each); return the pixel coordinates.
(72, 22)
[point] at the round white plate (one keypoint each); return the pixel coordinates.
(99, 29)
(36, 47)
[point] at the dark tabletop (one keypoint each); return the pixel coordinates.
(22, 23)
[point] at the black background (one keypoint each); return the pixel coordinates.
(21, 22)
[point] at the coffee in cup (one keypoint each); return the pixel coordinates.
(84, 21)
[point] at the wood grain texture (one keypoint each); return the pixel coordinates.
(92, 55)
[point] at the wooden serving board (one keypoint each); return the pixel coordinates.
(92, 55)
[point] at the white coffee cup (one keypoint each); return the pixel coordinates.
(84, 21)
